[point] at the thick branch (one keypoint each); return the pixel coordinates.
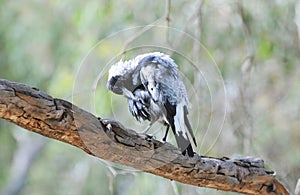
(36, 111)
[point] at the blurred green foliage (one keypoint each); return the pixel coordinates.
(44, 44)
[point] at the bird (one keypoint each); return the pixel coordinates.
(155, 92)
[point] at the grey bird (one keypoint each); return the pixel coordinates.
(155, 92)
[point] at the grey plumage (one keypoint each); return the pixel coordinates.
(155, 92)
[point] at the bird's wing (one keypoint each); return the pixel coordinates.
(160, 77)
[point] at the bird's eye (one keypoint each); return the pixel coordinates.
(151, 88)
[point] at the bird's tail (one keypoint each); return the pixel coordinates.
(188, 125)
(184, 144)
(183, 131)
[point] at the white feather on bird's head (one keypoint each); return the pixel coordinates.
(124, 67)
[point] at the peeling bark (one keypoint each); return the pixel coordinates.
(58, 119)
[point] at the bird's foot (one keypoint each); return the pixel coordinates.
(164, 139)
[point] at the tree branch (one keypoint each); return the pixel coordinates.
(58, 119)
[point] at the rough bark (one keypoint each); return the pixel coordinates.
(58, 119)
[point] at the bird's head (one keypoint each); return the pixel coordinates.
(113, 84)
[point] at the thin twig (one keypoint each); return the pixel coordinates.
(165, 17)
